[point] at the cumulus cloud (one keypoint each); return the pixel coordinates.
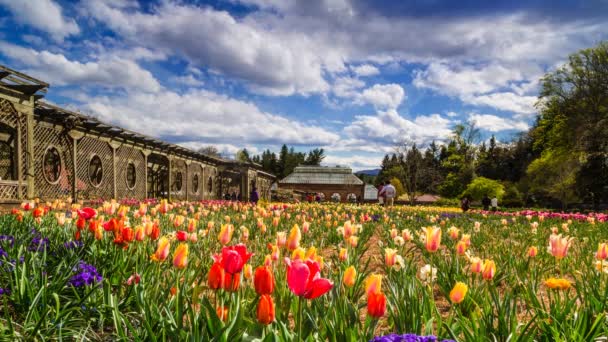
(484, 85)
(272, 63)
(45, 15)
(495, 123)
(383, 96)
(365, 70)
(113, 71)
(205, 116)
(388, 128)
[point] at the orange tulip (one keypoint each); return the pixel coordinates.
(222, 313)
(433, 238)
(602, 251)
(180, 257)
(140, 233)
(293, 241)
(350, 276)
(215, 278)
(343, 254)
(247, 271)
(373, 284)
(281, 239)
(476, 265)
(453, 233)
(532, 251)
(489, 269)
(458, 293)
(226, 234)
(265, 312)
(263, 280)
(162, 251)
(390, 255)
(461, 248)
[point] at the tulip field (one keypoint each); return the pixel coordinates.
(231, 271)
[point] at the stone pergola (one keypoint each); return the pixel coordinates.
(51, 152)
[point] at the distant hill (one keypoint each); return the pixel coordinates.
(373, 172)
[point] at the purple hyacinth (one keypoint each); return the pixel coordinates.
(406, 338)
(4, 291)
(87, 275)
(73, 244)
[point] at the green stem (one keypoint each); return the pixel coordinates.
(299, 319)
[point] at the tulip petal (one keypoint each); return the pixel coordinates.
(319, 287)
(297, 277)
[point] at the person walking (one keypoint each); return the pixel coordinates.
(389, 193)
(380, 195)
(254, 196)
(464, 204)
(485, 202)
(494, 203)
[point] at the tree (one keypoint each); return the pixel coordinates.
(574, 117)
(315, 157)
(554, 175)
(210, 150)
(482, 186)
(243, 156)
(398, 187)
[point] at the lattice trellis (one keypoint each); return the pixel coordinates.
(179, 166)
(124, 156)
(48, 137)
(87, 147)
(263, 185)
(11, 118)
(195, 193)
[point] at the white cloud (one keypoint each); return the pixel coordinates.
(365, 70)
(272, 63)
(495, 123)
(45, 15)
(204, 116)
(389, 129)
(357, 163)
(55, 68)
(521, 105)
(383, 96)
(188, 80)
(486, 85)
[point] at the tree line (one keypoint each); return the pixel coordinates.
(561, 160)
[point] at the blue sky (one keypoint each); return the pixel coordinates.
(354, 77)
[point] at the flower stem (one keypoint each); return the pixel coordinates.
(299, 319)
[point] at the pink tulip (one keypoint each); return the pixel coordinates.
(304, 279)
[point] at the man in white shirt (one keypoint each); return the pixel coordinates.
(494, 203)
(389, 193)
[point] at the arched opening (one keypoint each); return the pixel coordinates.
(8, 155)
(95, 171)
(158, 176)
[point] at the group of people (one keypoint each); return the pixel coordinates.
(486, 202)
(254, 197)
(386, 194)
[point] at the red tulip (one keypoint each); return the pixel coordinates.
(215, 276)
(87, 213)
(181, 235)
(376, 304)
(304, 279)
(265, 313)
(233, 258)
(38, 212)
(80, 223)
(263, 280)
